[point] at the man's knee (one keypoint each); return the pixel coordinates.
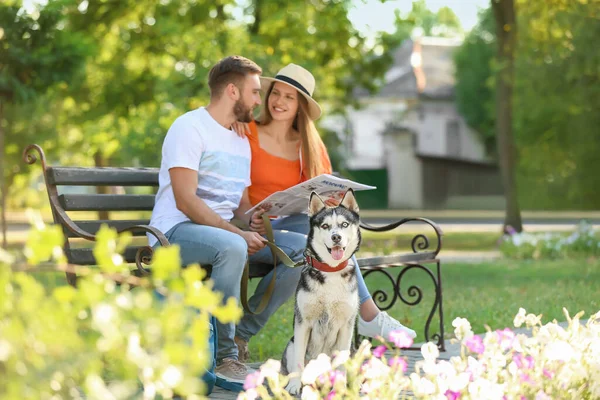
(235, 251)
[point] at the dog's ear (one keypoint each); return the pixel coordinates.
(315, 204)
(349, 201)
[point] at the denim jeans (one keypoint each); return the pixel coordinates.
(227, 253)
(299, 223)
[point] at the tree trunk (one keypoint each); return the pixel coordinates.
(2, 181)
(255, 27)
(506, 32)
(99, 161)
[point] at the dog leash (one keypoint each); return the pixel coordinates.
(277, 253)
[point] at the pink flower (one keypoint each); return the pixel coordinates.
(527, 379)
(398, 362)
(323, 378)
(523, 362)
(506, 338)
(450, 395)
(379, 350)
(548, 374)
(253, 380)
(475, 344)
(331, 395)
(335, 376)
(400, 339)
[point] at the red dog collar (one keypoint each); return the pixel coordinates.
(313, 262)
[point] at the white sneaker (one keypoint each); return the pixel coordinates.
(382, 325)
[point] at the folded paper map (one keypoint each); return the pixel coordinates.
(295, 199)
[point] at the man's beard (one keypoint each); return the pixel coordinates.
(242, 112)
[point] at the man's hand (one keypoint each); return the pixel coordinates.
(257, 224)
(254, 240)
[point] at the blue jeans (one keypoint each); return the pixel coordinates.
(227, 253)
(299, 223)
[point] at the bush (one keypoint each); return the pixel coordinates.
(583, 242)
(140, 338)
(552, 363)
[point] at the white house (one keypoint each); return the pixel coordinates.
(412, 133)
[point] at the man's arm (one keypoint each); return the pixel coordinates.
(185, 182)
(244, 206)
(254, 220)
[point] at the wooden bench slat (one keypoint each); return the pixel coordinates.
(106, 176)
(86, 257)
(396, 259)
(93, 226)
(107, 202)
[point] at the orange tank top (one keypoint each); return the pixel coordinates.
(270, 173)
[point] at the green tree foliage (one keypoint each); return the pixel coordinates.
(153, 58)
(555, 99)
(102, 340)
(147, 62)
(556, 106)
(474, 75)
(35, 54)
(444, 22)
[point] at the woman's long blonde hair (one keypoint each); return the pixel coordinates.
(310, 141)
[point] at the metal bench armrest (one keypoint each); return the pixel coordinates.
(419, 242)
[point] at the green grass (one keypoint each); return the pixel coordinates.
(489, 293)
(387, 242)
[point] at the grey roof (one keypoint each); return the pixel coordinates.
(437, 66)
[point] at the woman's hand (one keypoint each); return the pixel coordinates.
(257, 224)
(330, 202)
(241, 128)
(334, 199)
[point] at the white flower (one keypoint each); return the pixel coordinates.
(558, 351)
(459, 382)
(484, 389)
(340, 358)
(171, 376)
(315, 368)
(430, 351)
(375, 368)
(310, 393)
(533, 320)
(270, 369)
(421, 386)
(462, 328)
(475, 368)
(520, 318)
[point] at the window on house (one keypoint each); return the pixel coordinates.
(452, 138)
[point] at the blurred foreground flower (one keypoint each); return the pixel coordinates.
(551, 363)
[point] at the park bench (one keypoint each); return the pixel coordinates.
(421, 257)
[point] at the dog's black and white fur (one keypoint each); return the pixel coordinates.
(326, 302)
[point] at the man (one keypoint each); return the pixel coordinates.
(203, 180)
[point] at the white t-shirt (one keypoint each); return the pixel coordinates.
(222, 159)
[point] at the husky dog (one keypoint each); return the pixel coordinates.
(327, 294)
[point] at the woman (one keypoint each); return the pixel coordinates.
(287, 150)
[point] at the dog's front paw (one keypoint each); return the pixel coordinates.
(294, 387)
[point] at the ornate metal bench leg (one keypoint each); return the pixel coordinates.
(441, 343)
(415, 295)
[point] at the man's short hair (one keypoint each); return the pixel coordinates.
(232, 69)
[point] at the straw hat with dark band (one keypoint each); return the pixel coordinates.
(300, 79)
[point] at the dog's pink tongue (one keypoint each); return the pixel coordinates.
(337, 253)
